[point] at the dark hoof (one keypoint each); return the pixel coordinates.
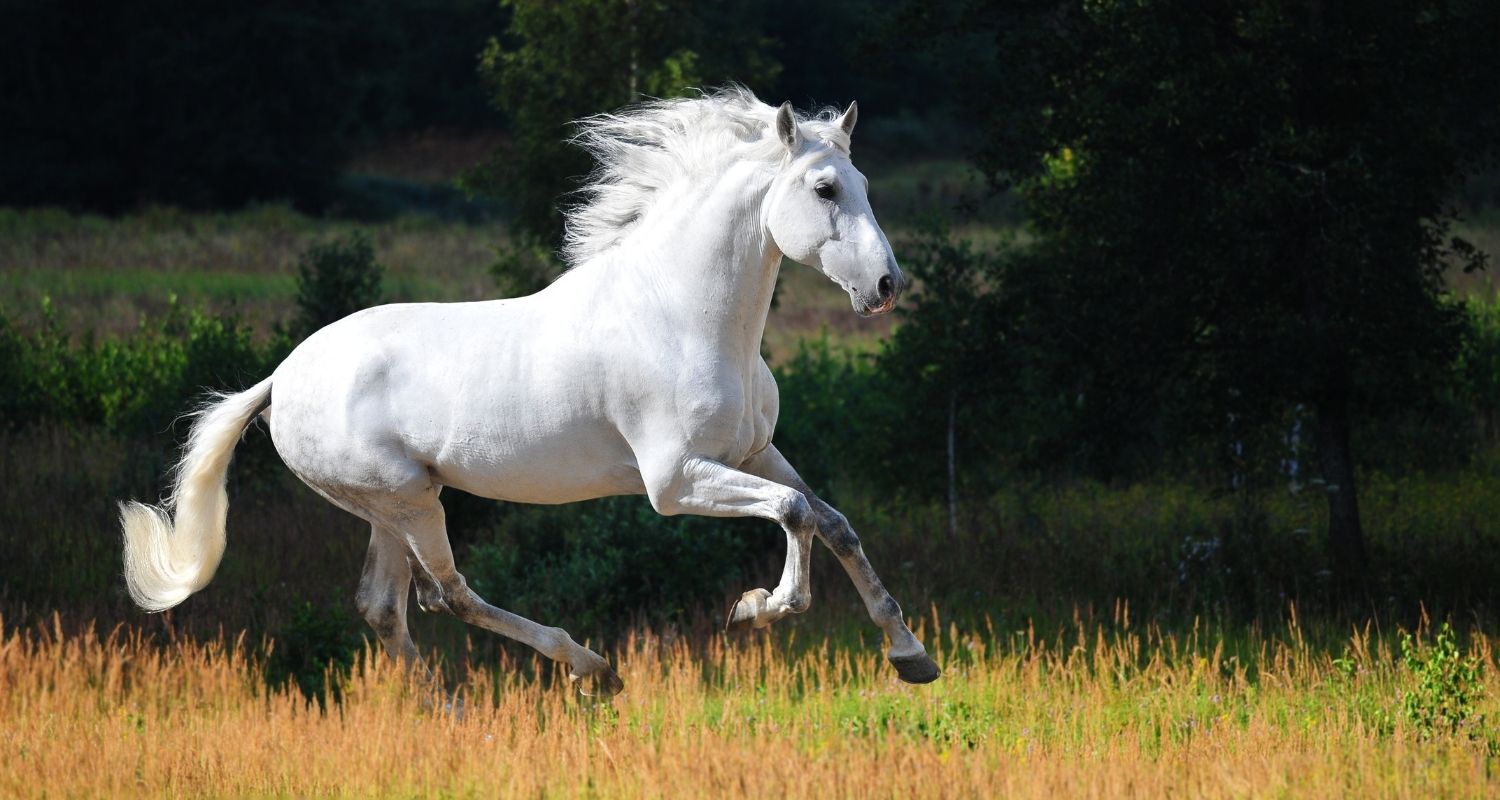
(919, 668)
(744, 611)
(604, 683)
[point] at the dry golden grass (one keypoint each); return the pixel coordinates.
(1102, 712)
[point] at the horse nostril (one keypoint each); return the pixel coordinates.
(885, 287)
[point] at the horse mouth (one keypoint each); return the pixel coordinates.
(865, 309)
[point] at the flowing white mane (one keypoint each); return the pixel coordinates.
(643, 150)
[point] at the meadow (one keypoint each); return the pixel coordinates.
(1231, 670)
(1102, 708)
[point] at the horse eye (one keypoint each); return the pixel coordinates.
(825, 191)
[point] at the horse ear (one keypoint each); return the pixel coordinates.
(851, 116)
(786, 128)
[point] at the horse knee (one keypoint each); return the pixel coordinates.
(798, 514)
(799, 602)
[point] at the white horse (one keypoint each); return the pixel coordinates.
(637, 372)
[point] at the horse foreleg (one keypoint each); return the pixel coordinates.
(907, 654)
(709, 488)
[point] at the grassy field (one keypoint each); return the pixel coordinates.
(1243, 702)
(103, 274)
(1102, 710)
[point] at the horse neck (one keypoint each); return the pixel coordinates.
(711, 261)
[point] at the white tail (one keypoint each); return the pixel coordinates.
(172, 550)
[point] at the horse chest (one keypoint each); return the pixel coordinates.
(723, 413)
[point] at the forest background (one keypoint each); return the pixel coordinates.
(1202, 322)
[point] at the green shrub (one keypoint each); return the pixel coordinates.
(521, 269)
(834, 410)
(336, 279)
(592, 566)
(315, 649)
(1447, 691)
(1479, 364)
(134, 385)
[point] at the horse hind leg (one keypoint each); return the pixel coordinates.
(440, 587)
(383, 589)
(429, 594)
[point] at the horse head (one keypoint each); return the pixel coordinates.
(818, 213)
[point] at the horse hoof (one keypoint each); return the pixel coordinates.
(603, 683)
(919, 668)
(746, 610)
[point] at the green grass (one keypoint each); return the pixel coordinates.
(193, 288)
(104, 275)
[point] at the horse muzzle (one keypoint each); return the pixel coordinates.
(887, 291)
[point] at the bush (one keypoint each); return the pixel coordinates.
(315, 648)
(834, 411)
(336, 279)
(1447, 691)
(520, 269)
(593, 566)
(135, 385)
(1479, 365)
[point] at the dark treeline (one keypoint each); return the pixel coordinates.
(212, 105)
(110, 106)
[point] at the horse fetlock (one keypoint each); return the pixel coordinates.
(794, 602)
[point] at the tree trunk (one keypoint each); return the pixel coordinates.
(952, 463)
(1346, 538)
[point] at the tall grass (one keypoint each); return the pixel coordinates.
(1106, 708)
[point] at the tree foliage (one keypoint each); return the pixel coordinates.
(336, 279)
(561, 61)
(112, 106)
(1238, 207)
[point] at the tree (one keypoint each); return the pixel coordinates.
(108, 106)
(1238, 206)
(561, 61)
(942, 363)
(336, 279)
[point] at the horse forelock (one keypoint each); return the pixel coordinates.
(642, 150)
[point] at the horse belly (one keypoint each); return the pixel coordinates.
(542, 471)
